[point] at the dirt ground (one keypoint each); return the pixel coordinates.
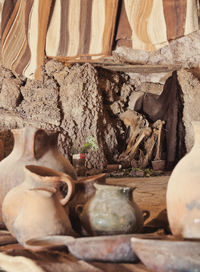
(150, 194)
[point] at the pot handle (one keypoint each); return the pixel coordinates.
(71, 188)
(79, 208)
(145, 214)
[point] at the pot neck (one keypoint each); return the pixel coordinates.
(24, 142)
(114, 190)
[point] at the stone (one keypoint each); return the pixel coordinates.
(40, 102)
(10, 95)
(183, 51)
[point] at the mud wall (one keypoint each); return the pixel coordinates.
(75, 101)
(81, 101)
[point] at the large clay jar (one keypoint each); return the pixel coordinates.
(183, 192)
(111, 211)
(35, 208)
(31, 146)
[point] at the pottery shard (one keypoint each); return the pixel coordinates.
(40, 102)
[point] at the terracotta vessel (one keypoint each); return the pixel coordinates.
(31, 146)
(109, 248)
(183, 192)
(166, 254)
(35, 207)
(111, 211)
(84, 190)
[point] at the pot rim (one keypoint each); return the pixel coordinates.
(44, 173)
(116, 187)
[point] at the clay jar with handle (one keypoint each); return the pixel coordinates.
(84, 190)
(111, 211)
(35, 208)
(31, 146)
(183, 192)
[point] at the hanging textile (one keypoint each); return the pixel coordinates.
(150, 24)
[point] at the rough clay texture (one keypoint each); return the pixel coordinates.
(191, 111)
(80, 101)
(82, 107)
(87, 98)
(10, 95)
(84, 114)
(40, 101)
(76, 101)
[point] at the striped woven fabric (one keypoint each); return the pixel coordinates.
(23, 34)
(1, 7)
(81, 29)
(76, 29)
(151, 24)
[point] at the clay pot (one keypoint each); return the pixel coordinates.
(183, 192)
(111, 211)
(35, 207)
(166, 254)
(31, 146)
(84, 190)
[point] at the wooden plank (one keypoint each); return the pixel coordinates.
(141, 68)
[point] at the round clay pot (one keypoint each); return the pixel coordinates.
(31, 146)
(111, 211)
(183, 192)
(84, 190)
(35, 207)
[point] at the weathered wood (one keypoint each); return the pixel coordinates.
(6, 238)
(134, 68)
(58, 261)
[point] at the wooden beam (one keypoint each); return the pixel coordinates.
(139, 68)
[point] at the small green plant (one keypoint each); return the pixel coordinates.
(148, 172)
(90, 143)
